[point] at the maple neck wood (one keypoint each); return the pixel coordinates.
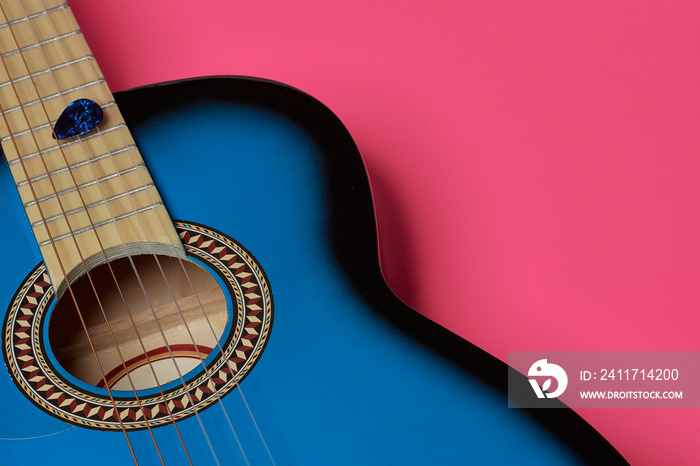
(90, 198)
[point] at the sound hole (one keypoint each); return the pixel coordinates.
(161, 326)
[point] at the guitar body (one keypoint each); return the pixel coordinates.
(348, 375)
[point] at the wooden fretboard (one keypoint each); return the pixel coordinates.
(90, 198)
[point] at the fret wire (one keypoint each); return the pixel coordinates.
(83, 162)
(49, 70)
(34, 129)
(52, 196)
(38, 44)
(90, 183)
(58, 94)
(65, 144)
(78, 164)
(46, 125)
(100, 224)
(32, 16)
(94, 204)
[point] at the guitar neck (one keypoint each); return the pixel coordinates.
(90, 198)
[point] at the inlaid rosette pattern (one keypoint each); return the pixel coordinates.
(44, 384)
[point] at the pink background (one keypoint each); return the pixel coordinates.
(543, 155)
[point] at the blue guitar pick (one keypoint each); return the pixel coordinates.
(78, 118)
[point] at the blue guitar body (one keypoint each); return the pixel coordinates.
(349, 375)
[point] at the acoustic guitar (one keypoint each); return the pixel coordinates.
(256, 328)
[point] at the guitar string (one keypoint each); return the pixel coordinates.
(116, 282)
(201, 358)
(218, 343)
(97, 297)
(70, 290)
(71, 232)
(121, 239)
(180, 376)
(52, 242)
(143, 287)
(119, 290)
(188, 278)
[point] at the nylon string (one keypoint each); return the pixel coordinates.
(218, 344)
(133, 265)
(185, 322)
(41, 213)
(143, 288)
(121, 295)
